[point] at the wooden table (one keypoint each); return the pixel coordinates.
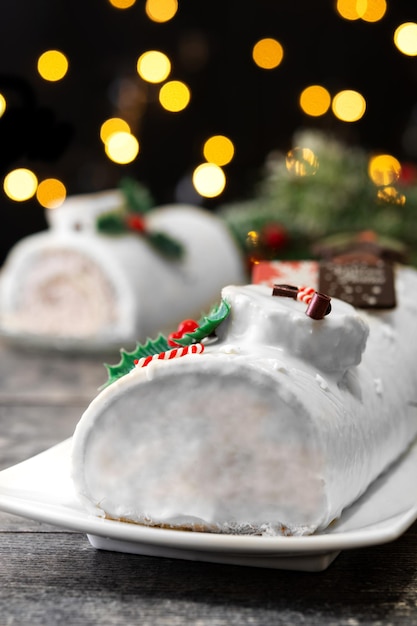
(50, 576)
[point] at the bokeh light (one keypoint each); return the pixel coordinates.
(51, 193)
(174, 96)
(3, 104)
(252, 237)
(209, 180)
(405, 38)
(391, 195)
(349, 105)
(252, 246)
(367, 10)
(113, 125)
(20, 184)
(351, 9)
(161, 10)
(302, 162)
(374, 11)
(153, 66)
(122, 4)
(384, 169)
(315, 100)
(122, 147)
(267, 53)
(218, 149)
(52, 65)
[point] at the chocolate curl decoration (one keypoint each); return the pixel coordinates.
(318, 303)
(287, 291)
(319, 306)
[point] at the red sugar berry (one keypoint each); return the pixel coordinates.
(172, 337)
(187, 326)
(135, 222)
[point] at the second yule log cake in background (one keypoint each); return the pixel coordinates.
(271, 416)
(104, 274)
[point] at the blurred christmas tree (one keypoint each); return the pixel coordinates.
(322, 188)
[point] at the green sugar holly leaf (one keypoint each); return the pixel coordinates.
(111, 223)
(165, 245)
(138, 197)
(207, 324)
(127, 361)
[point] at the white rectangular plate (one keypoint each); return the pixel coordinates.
(41, 489)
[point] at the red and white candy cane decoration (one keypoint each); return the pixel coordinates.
(195, 348)
(305, 294)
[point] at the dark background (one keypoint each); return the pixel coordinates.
(53, 128)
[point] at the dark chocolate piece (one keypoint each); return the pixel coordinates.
(287, 291)
(363, 282)
(319, 306)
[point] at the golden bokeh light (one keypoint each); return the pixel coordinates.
(51, 193)
(302, 162)
(391, 195)
(315, 100)
(122, 147)
(218, 149)
(174, 96)
(367, 10)
(153, 66)
(351, 9)
(113, 125)
(20, 184)
(375, 10)
(252, 246)
(122, 4)
(52, 65)
(209, 180)
(267, 53)
(384, 170)
(349, 105)
(405, 38)
(252, 238)
(161, 10)
(3, 104)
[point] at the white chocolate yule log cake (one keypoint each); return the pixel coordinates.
(269, 416)
(106, 273)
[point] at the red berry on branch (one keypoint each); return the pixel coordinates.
(274, 236)
(408, 174)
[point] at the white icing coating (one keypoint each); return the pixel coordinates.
(114, 288)
(260, 433)
(259, 320)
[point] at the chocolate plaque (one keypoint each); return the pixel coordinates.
(364, 283)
